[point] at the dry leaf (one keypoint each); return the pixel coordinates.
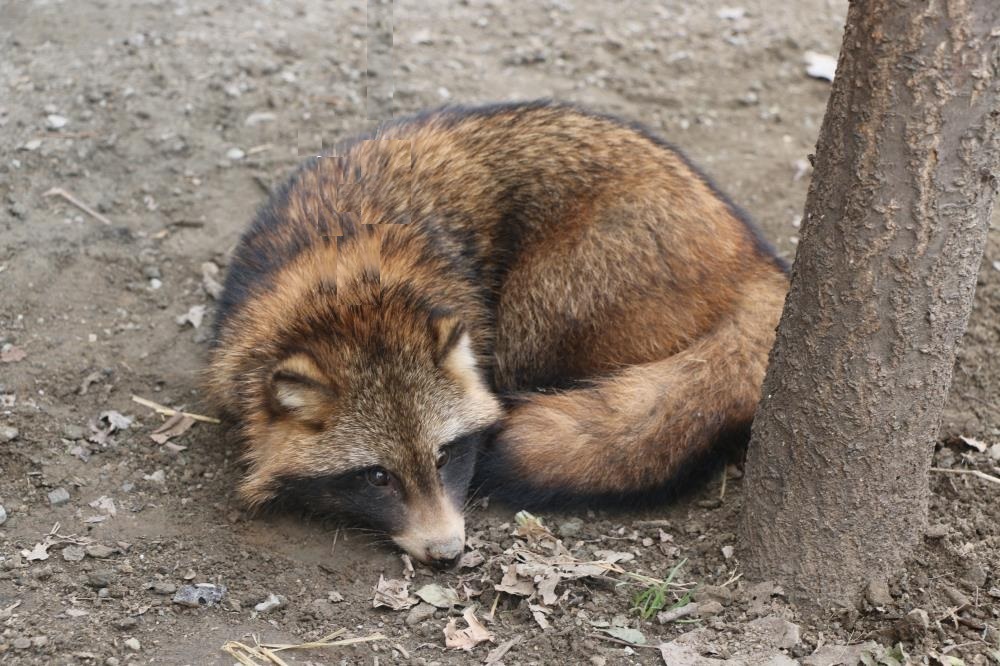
(39, 552)
(974, 443)
(547, 588)
(176, 425)
(633, 636)
(466, 639)
(530, 527)
(440, 597)
(393, 594)
(538, 612)
(613, 556)
(512, 584)
(471, 560)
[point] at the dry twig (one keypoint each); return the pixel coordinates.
(167, 411)
(971, 472)
(60, 192)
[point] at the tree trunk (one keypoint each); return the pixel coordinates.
(882, 286)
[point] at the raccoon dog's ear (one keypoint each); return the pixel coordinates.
(446, 332)
(300, 388)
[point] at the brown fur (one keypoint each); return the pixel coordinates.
(509, 249)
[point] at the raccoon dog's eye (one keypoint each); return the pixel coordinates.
(444, 455)
(378, 476)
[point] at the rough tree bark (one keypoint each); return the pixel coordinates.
(882, 286)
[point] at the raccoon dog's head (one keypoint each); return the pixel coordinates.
(374, 413)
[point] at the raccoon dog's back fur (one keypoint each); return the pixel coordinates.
(558, 284)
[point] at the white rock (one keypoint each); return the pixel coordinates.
(820, 66)
(235, 154)
(272, 602)
(55, 121)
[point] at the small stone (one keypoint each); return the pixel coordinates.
(112, 661)
(323, 609)
(100, 578)
(151, 271)
(127, 623)
(22, 643)
(776, 631)
(158, 477)
(334, 597)
(201, 594)
(974, 575)
(58, 497)
(163, 587)
(258, 117)
(73, 553)
(570, 528)
(717, 593)
(8, 433)
(957, 597)
(235, 154)
(877, 594)
(31, 145)
(99, 551)
(273, 602)
(40, 641)
(3, 515)
(133, 644)
(74, 432)
(54, 121)
(709, 608)
(419, 613)
(913, 625)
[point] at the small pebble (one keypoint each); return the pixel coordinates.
(419, 613)
(100, 578)
(709, 608)
(73, 553)
(3, 515)
(22, 643)
(877, 594)
(273, 602)
(133, 644)
(74, 432)
(40, 641)
(235, 154)
(126, 623)
(8, 433)
(570, 527)
(58, 497)
(202, 594)
(98, 550)
(163, 587)
(55, 121)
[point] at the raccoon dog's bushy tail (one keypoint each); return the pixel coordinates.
(634, 436)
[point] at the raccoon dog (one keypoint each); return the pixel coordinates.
(542, 296)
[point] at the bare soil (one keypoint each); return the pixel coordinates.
(170, 119)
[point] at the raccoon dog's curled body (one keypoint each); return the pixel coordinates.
(556, 286)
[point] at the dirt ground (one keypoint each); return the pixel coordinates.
(171, 119)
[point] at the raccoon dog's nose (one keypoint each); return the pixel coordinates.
(445, 554)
